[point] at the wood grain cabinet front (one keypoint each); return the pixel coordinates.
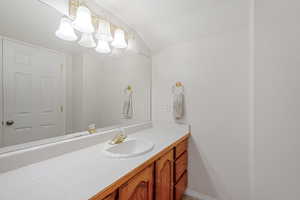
(140, 187)
(181, 165)
(111, 197)
(180, 187)
(164, 177)
(181, 148)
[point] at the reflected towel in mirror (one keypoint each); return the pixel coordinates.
(127, 105)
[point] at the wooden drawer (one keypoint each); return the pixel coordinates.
(181, 165)
(180, 187)
(180, 148)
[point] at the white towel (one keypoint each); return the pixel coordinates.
(127, 105)
(178, 104)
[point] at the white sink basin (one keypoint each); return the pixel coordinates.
(129, 148)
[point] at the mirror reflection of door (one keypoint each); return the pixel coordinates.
(32, 93)
(1, 96)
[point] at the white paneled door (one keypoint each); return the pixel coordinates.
(33, 93)
(1, 96)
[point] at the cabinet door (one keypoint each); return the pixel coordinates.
(111, 197)
(139, 187)
(180, 187)
(164, 177)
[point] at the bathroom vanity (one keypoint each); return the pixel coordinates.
(62, 103)
(163, 177)
(89, 173)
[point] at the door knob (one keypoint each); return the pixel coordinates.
(9, 122)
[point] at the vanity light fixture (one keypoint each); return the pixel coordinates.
(104, 32)
(87, 40)
(119, 39)
(65, 30)
(83, 20)
(103, 47)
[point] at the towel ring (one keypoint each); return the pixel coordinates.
(128, 88)
(177, 85)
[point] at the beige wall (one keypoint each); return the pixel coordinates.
(215, 74)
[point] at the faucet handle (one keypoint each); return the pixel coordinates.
(119, 138)
(122, 130)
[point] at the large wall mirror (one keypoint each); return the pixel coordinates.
(52, 88)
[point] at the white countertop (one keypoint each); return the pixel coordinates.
(81, 174)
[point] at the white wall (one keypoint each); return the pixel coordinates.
(215, 74)
(105, 79)
(277, 100)
(242, 100)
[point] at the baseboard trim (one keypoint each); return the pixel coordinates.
(197, 195)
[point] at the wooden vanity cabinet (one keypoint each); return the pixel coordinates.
(111, 197)
(162, 177)
(171, 173)
(181, 155)
(180, 166)
(180, 187)
(164, 173)
(140, 187)
(181, 148)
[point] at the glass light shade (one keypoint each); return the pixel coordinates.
(87, 40)
(103, 47)
(103, 32)
(65, 30)
(119, 39)
(83, 21)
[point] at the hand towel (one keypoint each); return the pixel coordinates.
(178, 104)
(127, 105)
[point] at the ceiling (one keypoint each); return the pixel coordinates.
(33, 22)
(162, 23)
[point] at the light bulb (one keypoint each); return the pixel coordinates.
(87, 41)
(103, 32)
(65, 30)
(83, 21)
(103, 47)
(119, 39)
